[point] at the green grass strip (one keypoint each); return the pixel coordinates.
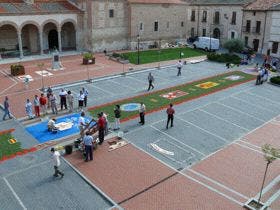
(7, 149)
(154, 101)
(150, 56)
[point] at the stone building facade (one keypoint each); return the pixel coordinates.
(261, 26)
(37, 27)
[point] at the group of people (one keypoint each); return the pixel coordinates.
(262, 74)
(44, 102)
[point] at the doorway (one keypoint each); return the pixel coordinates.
(256, 45)
(53, 39)
(216, 33)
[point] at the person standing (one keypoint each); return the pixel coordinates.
(88, 142)
(106, 129)
(170, 115)
(28, 109)
(150, 80)
(62, 95)
(101, 126)
(81, 98)
(179, 67)
(53, 103)
(117, 112)
(49, 91)
(43, 103)
(70, 100)
(6, 108)
(142, 110)
(85, 92)
(82, 125)
(36, 103)
(56, 159)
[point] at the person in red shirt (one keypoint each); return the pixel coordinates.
(43, 103)
(170, 115)
(101, 127)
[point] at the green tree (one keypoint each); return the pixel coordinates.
(270, 154)
(234, 45)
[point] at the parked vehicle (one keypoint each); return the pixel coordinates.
(207, 43)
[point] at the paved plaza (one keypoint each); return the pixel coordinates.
(217, 162)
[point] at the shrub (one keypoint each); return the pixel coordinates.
(88, 56)
(116, 55)
(234, 45)
(275, 80)
(17, 69)
(224, 58)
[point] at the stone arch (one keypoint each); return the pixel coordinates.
(50, 29)
(217, 33)
(68, 36)
(30, 22)
(67, 21)
(30, 38)
(9, 43)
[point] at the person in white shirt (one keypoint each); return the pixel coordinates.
(56, 159)
(63, 94)
(142, 110)
(81, 98)
(179, 67)
(82, 125)
(70, 101)
(51, 125)
(85, 92)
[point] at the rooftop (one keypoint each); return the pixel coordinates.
(221, 2)
(39, 6)
(264, 5)
(156, 1)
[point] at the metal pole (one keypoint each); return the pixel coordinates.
(40, 65)
(87, 73)
(210, 37)
(138, 52)
(159, 48)
(263, 181)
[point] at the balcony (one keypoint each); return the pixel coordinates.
(246, 29)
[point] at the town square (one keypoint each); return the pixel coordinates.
(135, 104)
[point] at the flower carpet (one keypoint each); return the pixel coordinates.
(160, 99)
(10, 147)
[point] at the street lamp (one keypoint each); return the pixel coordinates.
(138, 50)
(159, 51)
(40, 65)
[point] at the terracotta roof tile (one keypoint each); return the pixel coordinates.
(218, 2)
(262, 5)
(156, 1)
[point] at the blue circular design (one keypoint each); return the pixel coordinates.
(130, 107)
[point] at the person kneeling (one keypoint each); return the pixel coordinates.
(51, 126)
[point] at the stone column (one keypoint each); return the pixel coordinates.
(59, 40)
(41, 41)
(20, 44)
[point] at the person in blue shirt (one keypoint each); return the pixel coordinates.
(88, 142)
(6, 108)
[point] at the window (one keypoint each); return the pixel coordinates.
(246, 39)
(167, 25)
(233, 18)
(217, 18)
(111, 13)
(193, 15)
(141, 27)
(204, 32)
(258, 26)
(248, 25)
(232, 34)
(182, 24)
(192, 32)
(204, 16)
(254, 13)
(156, 26)
(274, 47)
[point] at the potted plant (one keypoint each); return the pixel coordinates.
(88, 58)
(17, 69)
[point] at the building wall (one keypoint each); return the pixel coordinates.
(168, 16)
(225, 26)
(109, 33)
(255, 16)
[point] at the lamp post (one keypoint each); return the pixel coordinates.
(40, 65)
(159, 51)
(138, 50)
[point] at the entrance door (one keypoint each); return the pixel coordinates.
(256, 44)
(53, 39)
(216, 33)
